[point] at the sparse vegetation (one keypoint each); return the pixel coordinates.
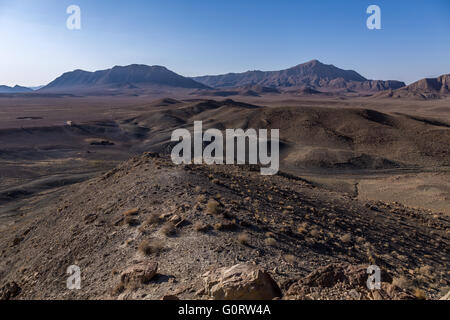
(401, 282)
(151, 247)
(244, 238)
(290, 258)
(420, 294)
(270, 242)
(132, 222)
(201, 227)
(346, 238)
(314, 233)
(168, 229)
(212, 207)
(152, 219)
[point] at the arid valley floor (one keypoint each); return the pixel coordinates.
(87, 180)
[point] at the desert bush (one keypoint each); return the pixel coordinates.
(168, 229)
(290, 258)
(201, 227)
(152, 219)
(420, 294)
(244, 238)
(314, 233)
(222, 226)
(150, 247)
(346, 238)
(212, 207)
(270, 242)
(132, 222)
(401, 282)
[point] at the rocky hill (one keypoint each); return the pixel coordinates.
(128, 77)
(425, 89)
(150, 230)
(312, 74)
(15, 89)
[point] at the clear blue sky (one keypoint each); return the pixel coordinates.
(197, 37)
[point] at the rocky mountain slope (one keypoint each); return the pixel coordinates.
(312, 74)
(15, 89)
(127, 77)
(425, 89)
(149, 229)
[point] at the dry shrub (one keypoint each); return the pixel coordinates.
(168, 229)
(420, 294)
(218, 226)
(151, 247)
(222, 226)
(212, 207)
(244, 238)
(314, 233)
(290, 258)
(346, 238)
(118, 289)
(201, 227)
(152, 219)
(132, 222)
(270, 242)
(131, 212)
(401, 282)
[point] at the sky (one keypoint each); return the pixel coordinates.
(199, 37)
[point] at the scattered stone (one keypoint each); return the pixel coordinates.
(346, 282)
(138, 274)
(240, 282)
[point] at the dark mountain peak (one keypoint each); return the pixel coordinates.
(15, 89)
(131, 76)
(312, 73)
(428, 88)
(312, 63)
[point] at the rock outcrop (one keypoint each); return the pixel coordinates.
(240, 282)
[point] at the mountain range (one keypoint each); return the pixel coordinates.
(128, 77)
(15, 89)
(310, 78)
(312, 74)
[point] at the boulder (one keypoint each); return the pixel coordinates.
(138, 274)
(344, 281)
(240, 282)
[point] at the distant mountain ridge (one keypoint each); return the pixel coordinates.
(15, 89)
(428, 88)
(312, 74)
(128, 77)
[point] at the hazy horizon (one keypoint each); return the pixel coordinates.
(200, 38)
